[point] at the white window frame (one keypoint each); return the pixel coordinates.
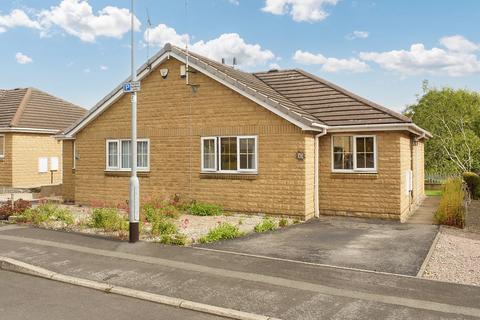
(2, 154)
(218, 161)
(354, 151)
(74, 155)
(119, 155)
(215, 139)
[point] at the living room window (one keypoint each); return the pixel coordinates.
(119, 152)
(229, 154)
(354, 153)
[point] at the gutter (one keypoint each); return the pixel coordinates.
(316, 188)
(28, 130)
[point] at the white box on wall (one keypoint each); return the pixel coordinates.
(42, 165)
(54, 164)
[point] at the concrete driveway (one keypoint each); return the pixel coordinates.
(346, 242)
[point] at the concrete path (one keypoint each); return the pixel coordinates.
(27, 297)
(425, 212)
(282, 289)
(367, 244)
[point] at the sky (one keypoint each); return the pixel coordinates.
(379, 49)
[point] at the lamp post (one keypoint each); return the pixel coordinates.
(134, 190)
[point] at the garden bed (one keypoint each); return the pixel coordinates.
(161, 221)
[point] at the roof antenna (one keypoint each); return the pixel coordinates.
(149, 26)
(234, 63)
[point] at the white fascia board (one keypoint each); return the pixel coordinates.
(413, 128)
(247, 92)
(28, 130)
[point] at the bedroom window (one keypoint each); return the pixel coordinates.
(229, 154)
(354, 153)
(119, 155)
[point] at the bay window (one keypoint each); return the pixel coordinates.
(354, 153)
(119, 154)
(229, 154)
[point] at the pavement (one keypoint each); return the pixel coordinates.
(425, 213)
(366, 244)
(275, 288)
(28, 297)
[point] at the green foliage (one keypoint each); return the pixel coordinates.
(283, 223)
(267, 224)
(203, 209)
(451, 210)
(223, 231)
(473, 183)
(19, 206)
(108, 219)
(47, 212)
(175, 239)
(162, 226)
(433, 193)
(156, 208)
(453, 117)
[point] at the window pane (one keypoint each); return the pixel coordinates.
(365, 152)
(361, 161)
(360, 144)
(142, 154)
(369, 144)
(342, 148)
(247, 153)
(113, 154)
(209, 154)
(228, 156)
(126, 152)
(370, 160)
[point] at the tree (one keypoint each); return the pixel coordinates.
(453, 117)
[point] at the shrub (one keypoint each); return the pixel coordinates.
(223, 231)
(47, 212)
(451, 210)
(203, 209)
(473, 183)
(176, 239)
(283, 223)
(154, 209)
(19, 206)
(266, 225)
(108, 219)
(162, 226)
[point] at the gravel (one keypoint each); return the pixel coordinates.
(456, 257)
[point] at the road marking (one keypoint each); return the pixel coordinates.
(271, 280)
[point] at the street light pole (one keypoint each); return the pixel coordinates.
(134, 203)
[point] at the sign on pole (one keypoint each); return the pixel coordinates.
(133, 86)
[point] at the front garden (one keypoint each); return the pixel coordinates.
(167, 221)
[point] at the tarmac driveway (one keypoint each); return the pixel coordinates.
(346, 242)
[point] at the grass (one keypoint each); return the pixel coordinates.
(267, 224)
(108, 219)
(45, 213)
(223, 231)
(162, 226)
(203, 209)
(433, 193)
(451, 210)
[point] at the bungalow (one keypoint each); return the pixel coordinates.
(30, 156)
(277, 142)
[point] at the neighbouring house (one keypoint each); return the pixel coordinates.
(30, 155)
(278, 142)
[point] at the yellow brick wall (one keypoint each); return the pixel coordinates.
(174, 119)
(6, 163)
(419, 171)
(27, 148)
(362, 194)
(309, 175)
(68, 186)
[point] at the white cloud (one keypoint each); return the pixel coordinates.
(23, 58)
(300, 10)
(235, 2)
(87, 70)
(227, 45)
(330, 64)
(76, 17)
(457, 59)
(17, 18)
(357, 35)
(103, 68)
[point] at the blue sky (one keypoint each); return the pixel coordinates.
(381, 50)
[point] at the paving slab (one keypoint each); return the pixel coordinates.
(368, 244)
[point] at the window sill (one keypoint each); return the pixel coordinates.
(354, 175)
(119, 173)
(228, 176)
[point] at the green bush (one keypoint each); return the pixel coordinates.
(108, 219)
(161, 226)
(176, 239)
(283, 223)
(46, 212)
(203, 209)
(267, 224)
(223, 231)
(19, 206)
(473, 183)
(155, 209)
(451, 210)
